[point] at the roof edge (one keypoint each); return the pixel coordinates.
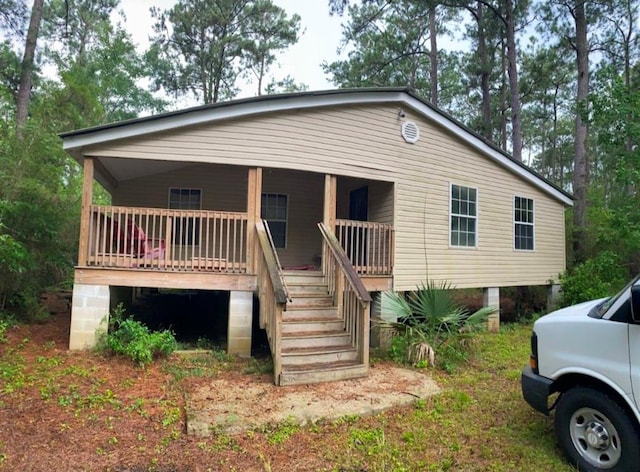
(73, 141)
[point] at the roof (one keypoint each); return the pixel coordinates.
(74, 141)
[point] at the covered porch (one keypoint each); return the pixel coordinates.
(219, 236)
(252, 230)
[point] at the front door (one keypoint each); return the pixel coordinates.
(359, 204)
(356, 240)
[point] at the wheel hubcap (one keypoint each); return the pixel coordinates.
(595, 438)
(597, 435)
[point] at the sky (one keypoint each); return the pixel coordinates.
(319, 42)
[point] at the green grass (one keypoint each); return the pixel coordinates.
(479, 421)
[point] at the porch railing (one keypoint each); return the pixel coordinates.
(349, 294)
(368, 245)
(272, 294)
(175, 240)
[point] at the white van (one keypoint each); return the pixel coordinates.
(589, 354)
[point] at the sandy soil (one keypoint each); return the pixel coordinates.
(236, 405)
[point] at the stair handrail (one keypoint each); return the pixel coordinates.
(348, 292)
(273, 263)
(272, 295)
(283, 280)
(345, 264)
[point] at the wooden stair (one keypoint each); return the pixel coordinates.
(315, 346)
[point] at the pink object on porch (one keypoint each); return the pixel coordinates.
(301, 267)
(139, 245)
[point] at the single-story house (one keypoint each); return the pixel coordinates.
(307, 204)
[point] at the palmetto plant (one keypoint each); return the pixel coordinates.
(429, 319)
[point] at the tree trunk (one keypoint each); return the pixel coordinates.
(514, 89)
(503, 98)
(26, 69)
(433, 38)
(580, 160)
(487, 119)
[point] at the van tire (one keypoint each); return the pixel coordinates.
(595, 432)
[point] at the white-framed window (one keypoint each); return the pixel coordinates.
(523, 224)
(185, 198)
(463, 216)
(274, 209)
(186, 231)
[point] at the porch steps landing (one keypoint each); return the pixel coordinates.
(315, 346)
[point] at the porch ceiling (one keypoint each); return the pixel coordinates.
(110, 171)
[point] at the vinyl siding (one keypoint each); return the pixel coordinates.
(364, 143)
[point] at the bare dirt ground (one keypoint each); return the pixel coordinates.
(233, 407)
(76, 411)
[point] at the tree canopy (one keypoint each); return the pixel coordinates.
(555, 83)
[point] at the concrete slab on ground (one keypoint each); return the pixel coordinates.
(235, 405)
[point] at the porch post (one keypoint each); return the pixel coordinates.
(254, 198)
(553, 296)
(240, 323)
(330, 195)
(89, 315)
(85, 215)
(491, 297)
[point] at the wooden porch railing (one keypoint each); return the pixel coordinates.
(368, 245)
(162, 239)
(272, 294)
(349, 294)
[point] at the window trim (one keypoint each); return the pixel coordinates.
(451, 215)
(184, 188)
(515, 223)
(286, 220)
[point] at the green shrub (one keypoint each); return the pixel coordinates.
(599, 277)
(133, 339)
(16, 262)
(432, 322)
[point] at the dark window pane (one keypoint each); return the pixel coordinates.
(278, 233)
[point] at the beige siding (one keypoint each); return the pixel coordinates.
(381, 202)
(364, 142)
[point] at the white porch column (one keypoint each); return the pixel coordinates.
(240, 323)
(89, 315)
(491, 297)
(553, 296)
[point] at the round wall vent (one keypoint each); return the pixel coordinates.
(410, 132)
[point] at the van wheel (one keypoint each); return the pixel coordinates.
(595, 432)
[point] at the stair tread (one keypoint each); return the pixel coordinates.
(314, 334)
(317, 350)
(317, 283)
(310, 308)
(320, 366)
(311, 317)
(294, 307)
